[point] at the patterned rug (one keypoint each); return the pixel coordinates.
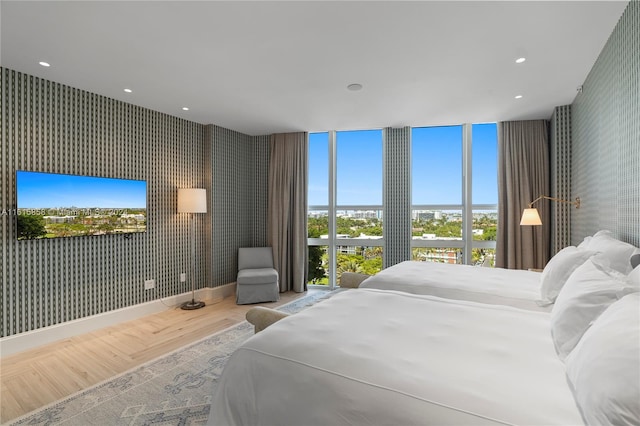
(174, 389)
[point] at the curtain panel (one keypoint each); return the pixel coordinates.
(287, 209)
(523, 175)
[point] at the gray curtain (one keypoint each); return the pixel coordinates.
(523, 175)
(287, 216)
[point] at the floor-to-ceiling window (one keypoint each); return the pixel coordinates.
(453, 193)
(484, 155)
(318, 208)
(345, 204)
(436, 198)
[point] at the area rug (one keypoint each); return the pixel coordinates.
(174, 389)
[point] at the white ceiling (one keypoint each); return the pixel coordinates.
(265, 67)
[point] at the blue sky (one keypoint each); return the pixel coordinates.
(47, 190)
(436, 169)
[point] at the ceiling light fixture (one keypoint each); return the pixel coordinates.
(520, 60)
(185, 109)
(128, 90)
(518, 96)
(44, 64)
(354, 87)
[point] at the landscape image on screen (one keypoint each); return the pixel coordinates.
(51, 205)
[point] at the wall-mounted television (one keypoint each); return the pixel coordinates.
(52, 205)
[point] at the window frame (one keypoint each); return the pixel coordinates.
(467, 243)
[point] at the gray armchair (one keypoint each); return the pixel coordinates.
(257, 279)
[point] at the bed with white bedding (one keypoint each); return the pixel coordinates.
(392, 358)
(510, 287)
(385, 357)
(536, 291)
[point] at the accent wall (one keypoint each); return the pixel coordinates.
(239, 172)
(605, 147)
(51, 127)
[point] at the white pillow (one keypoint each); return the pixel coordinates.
(615, 252)
(555, 274)
(587, 293)
(633, 279)
(604, 368)
(584, 245)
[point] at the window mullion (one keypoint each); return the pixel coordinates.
(467, 211)
(331, 249)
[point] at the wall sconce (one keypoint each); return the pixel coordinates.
(530, 216)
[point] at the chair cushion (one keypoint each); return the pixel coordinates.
(255, 257)
(257, 276)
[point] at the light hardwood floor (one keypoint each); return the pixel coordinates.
(35, 378)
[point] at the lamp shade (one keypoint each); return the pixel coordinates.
(192, 200)
(530, 217)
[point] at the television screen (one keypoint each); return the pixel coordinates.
(51, 205)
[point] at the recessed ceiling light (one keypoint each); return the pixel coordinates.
(128, 90)
(44, 64)
(519, 97)
(354, 87)
(520, 60)
(185, 108)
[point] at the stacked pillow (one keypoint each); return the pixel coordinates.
(604, 367)
(606, 250)
(590, 289)
(595, 326)
(558, 270)
(612, 252)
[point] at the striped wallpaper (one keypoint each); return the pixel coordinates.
(55, 128)
(397, 195)
(260, 146)
(605, 159)
(239, 167)
(560, 182)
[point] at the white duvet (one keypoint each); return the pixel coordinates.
(510, 287)
(372, 357)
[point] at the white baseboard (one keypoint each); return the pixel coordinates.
(11, 345)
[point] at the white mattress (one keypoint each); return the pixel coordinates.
(373, 357)
(510, 287)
